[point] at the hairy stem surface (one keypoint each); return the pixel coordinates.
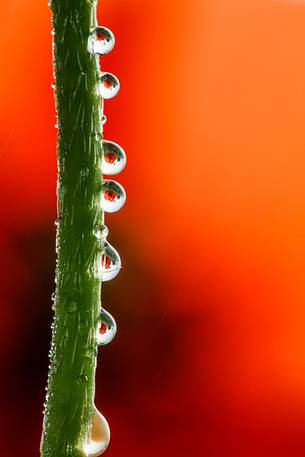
(71, 383)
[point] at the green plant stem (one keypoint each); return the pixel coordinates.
(71, 383)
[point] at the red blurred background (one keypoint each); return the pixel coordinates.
(209, 359)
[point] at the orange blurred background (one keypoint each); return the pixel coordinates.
(209, 359)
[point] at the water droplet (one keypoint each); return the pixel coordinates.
(101, 232)
(113, 196)
(107, 328)
(109, 85)
(110, 263)
(114, 158)
(104, 119)
(101, 41)
(99, 435)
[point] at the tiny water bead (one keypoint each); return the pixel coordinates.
(101, 232)
(113, 196)
(101, 41)
(114, 158)
(110, 263)
(107, 328)
(104, 119)
(99, 435)
(109, 85)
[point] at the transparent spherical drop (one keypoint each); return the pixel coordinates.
(99, 435)
(107, 328)
(104, 119)
(114, 158)
(113, 196)
(101, 232)
(110, 263)
(109, 85)
(101, 40)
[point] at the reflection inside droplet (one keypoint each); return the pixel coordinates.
(114, 158)
(113, 196)
(107, 328)
(101, 40)
(109, 85)
(110, 264)
(99, 435)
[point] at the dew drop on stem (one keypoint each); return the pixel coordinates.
(114, 158)
(101, 40)
(113, 196)
(109, 85)
(99, 435)
(107, 328)
(110, 263)
(101, 232)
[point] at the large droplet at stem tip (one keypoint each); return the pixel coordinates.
(114, 158)
(107, 328)
(99, 435)
(113, 196)
(110, 263)
(101, 41)
(109, 86)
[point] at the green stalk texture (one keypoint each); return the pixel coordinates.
(71, 383)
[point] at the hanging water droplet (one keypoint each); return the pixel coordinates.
(104, 119)
(107, 328)
(101, 41)
(110, 263)
(114, 158)
(99, 435)
(109, 85)
(113, 196)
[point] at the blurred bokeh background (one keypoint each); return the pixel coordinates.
(209, 359)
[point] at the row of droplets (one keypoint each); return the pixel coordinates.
(101, 41)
